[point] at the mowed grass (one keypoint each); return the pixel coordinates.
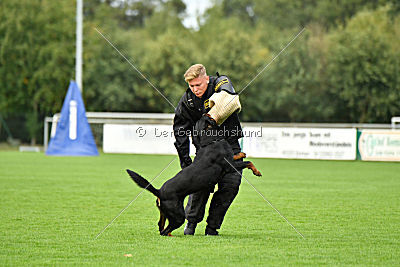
(52, 208)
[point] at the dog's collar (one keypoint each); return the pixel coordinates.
(212, 142)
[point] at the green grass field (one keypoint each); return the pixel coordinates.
(53, 207)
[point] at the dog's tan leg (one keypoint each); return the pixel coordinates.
(239, 155)
(251, 166)
(161, 222)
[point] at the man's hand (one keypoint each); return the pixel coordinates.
(185, 162)
(183, 154)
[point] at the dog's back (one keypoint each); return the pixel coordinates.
(202, 174)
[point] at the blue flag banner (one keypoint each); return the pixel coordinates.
(73, 135)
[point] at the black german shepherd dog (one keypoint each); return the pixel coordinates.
(213, 159)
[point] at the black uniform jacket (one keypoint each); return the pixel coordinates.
(189, 110)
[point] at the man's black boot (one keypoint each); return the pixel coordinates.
(190, 228)
(211, 231)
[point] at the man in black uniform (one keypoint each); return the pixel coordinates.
(193, 104)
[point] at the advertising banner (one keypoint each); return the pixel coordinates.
(296, 143)
(379, 145)
(300, 143)
(140, 139)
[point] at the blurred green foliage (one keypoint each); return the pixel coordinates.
(343, 68)
(364, 65)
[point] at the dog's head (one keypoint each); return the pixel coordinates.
(206, 131)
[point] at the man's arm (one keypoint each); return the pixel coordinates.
(182, 127)
(225, 84)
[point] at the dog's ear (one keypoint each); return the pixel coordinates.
(211, 122)
(206, 130)
(205, 123)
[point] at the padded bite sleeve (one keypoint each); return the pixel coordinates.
(223, 104)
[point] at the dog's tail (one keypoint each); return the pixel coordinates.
(143, 183)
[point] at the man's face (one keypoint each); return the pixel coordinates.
(199, 85)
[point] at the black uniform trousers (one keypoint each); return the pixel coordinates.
(228, 188)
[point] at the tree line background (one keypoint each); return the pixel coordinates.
(343, 68)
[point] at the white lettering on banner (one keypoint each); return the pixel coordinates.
(379, 145)
(73, 119)
(302, 143)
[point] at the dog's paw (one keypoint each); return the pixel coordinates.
(166, 234)
(257, 173)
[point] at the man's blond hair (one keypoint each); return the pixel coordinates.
(194, 72)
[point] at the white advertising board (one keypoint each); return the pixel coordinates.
(300, 143)
(379, 145)
(139, 139)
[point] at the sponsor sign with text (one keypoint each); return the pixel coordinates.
(379, 145)
(301, 143)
